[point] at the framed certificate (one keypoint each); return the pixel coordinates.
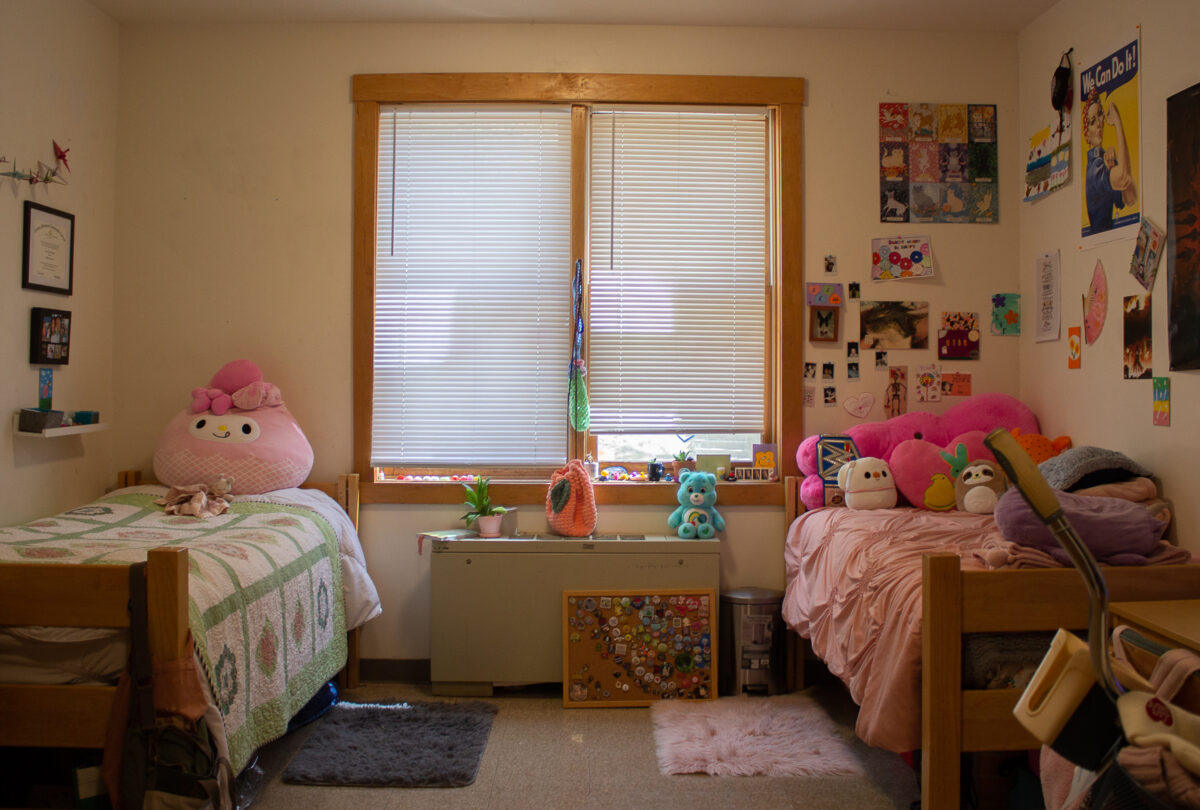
(49, 256)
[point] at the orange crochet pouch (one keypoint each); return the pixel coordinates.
(571, 503)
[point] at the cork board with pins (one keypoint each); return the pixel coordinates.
(637, 647)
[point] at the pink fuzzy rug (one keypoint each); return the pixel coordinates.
(785, 735)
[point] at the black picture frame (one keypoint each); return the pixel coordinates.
(48, 258)
(49, 336)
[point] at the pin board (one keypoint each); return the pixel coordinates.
(637, 647)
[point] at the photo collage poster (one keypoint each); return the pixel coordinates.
(938, 163)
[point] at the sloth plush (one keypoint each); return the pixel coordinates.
(979, 486)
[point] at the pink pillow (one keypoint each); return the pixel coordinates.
(915, 462)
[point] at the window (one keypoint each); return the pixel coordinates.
(457, 250)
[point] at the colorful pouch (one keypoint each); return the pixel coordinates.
(571, 503)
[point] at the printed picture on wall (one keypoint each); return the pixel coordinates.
(1074, 347)
(810, 396)
(830, 396)
(1006, 314)
(895, 396)
(958, 339)
(938, 163)
(1048, 167)
(1183, 229)
(956, 385)
(1147, 251)
(1138, 333)
(881, 361)
(827, 371)
(1162, 401)
(810, 371)
(894, 325)
(929, 383)
(1109, 115)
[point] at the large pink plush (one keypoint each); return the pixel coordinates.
(912, 443)
(236, 427)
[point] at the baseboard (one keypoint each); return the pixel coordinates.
(395, 670)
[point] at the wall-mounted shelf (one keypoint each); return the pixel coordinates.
(50, 433)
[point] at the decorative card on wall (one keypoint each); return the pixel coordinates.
(1048, 167)
(1162, 401)
(1006, 314)
(1146, 253)
(958, 339)
(1074, 347)
(823, 295)
(901, 257)
(634, 648)
(937, 163)
(956, 385)
(1138, 332)
(895, 396)
(929, 383)
(1048, 291)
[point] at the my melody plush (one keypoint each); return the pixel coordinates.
(912, 445)
(868, 484)
(695, 516)
(236, 428)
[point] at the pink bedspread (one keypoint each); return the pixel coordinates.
(854, 590)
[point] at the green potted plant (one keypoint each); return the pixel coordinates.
(682, 461)
(482, 510)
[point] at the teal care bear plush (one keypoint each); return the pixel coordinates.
(695, 515)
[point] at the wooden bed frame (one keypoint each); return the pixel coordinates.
(955, 720)
(40, 716)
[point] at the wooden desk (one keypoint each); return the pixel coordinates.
(1174, 622)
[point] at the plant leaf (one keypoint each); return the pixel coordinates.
(560, 494)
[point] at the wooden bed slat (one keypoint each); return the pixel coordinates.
(989, 724)
(64, 595)
(941, 678)
(55, 716)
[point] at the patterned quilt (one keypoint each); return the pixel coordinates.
(264, 585)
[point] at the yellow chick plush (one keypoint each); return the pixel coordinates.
(939, 495)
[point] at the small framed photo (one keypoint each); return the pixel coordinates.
(49, 336)
(823, 324)
(48, 262)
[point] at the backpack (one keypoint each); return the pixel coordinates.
(165, 757)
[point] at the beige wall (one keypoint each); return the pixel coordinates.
(1093, 404)
(59, 60)
(233, 234)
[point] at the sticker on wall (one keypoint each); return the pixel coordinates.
(830, 394)
(1146, 252)
(859, 406)
(1138, 332)
(901, 257)
(827, 371)
(828, 295)
(1095, 305)
(893, 325)
(1006, 314)
(956, 385)
(958, 339)
(1074, 347)
(895, 396)
(831, 264)
(929, 382)
(1162, 401)
(937, 163)
(881, 361)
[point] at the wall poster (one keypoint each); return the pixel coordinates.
(1109, 115)
(1183, 229)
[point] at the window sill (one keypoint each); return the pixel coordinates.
(624, 493)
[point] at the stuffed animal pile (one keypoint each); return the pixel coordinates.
(927, 454)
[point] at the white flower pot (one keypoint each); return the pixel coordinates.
(489, 525)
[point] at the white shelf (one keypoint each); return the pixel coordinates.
(50, 433)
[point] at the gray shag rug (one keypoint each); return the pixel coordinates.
(416, 744)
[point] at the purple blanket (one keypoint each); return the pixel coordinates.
(1116, 531)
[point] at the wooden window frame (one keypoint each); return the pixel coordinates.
(785, 352)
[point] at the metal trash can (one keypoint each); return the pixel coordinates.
(754, 643)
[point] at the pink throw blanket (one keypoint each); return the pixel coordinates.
(854, 590)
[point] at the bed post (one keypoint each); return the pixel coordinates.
(167, 602)
(941, 681)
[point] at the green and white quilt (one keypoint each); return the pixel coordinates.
(265, 595)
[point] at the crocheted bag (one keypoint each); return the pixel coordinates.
(570, 502)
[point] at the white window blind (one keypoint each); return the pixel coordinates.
(472, 286)
(678, 272)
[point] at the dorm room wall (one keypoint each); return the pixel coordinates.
(1093, 404)
(234, 227)
(59, 60)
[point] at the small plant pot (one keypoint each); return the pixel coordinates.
(489, 525)
(679, 466)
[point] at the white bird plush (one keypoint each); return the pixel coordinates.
(868, 483)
